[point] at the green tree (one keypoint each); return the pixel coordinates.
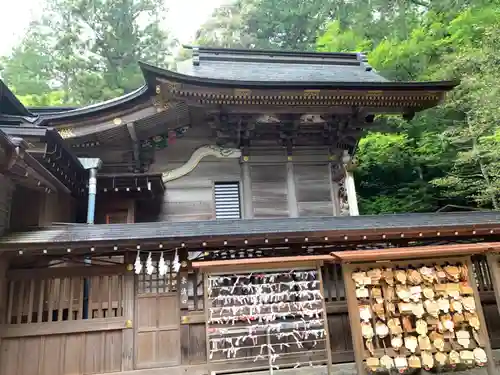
(91, 48)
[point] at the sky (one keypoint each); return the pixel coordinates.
(183, 19)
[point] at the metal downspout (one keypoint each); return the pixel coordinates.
(92, 164)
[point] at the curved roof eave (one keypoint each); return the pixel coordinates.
(151, 72)
(94, 108)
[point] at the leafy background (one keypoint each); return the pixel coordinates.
(85, 51)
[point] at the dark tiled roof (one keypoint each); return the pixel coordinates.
(47, 114)
(204, 230)
(274, 66)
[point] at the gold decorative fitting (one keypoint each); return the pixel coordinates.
(158, 89)
(289, 158)
(128, 324)
(130, 267)
(242, 92)
(245, 158)
(66, 133)
(117, 121)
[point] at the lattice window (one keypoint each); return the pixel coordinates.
(154, 283)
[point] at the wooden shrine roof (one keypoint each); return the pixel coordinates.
(213, 233)
(47, 115)
(285, 69)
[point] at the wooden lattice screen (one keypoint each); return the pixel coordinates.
(60, 299)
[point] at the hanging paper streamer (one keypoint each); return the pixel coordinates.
(162, 266)
(176, 265)
(279, 314)
(149, 265)
(138, 264)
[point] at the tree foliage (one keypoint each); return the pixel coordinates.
(88, 49)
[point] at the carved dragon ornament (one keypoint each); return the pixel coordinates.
(197, 156)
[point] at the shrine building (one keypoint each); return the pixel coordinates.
(207, 223)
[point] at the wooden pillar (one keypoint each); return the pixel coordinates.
(128, 293)
(352, 198)
(3, 293)
(494, 268)
(354, 319)
(350, 187)
(293, 209)
(483, 331)
(247, 189)
(327, 330)
(183, 280)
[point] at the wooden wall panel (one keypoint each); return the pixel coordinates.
(191, 197)
(158, 331)
(269, 191)
(312, 185)
(5, 203)
(73, 354)
(21, 218)
(193, 344)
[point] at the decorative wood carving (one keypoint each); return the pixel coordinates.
(338, 176)
(197, 156)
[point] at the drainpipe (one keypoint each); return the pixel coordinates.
(92, 164)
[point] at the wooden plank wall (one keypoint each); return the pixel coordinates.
(46, 330)
(191, 197)
(5, 203)
(269, 191)
(313, 187)
(64, 354)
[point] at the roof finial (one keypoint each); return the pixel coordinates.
(196, 56)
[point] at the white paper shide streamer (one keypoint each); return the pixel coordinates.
(176, 265)
(149, 265)
(162, 266)
(138, 264)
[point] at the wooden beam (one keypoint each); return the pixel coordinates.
(271, 261)
(61, 272)
(135, 145)
(417, 252)
(64, 327)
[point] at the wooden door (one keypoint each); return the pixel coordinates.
(158, 331)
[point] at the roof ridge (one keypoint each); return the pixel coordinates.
(259, 52)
